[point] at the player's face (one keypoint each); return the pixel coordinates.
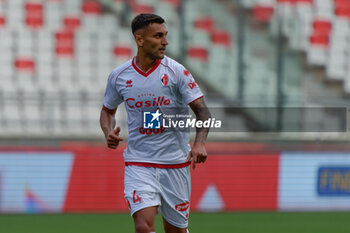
(155, 41)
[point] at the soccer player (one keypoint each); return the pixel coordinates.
(157, 160)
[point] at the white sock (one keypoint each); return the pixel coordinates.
(187, 231)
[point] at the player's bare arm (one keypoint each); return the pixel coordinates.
(198, 152)
(107, 123)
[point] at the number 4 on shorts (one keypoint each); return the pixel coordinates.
(136, 198)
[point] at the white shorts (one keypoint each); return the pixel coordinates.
(170, 189)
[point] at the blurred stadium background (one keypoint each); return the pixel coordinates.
(276, 72)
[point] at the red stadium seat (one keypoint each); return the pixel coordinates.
(64, 35)
(34, 15)
(321, 32)
(342, 8)
(205, 23)
(2, 21)
(34, 7)
(343, 12)
(175, 3)
(319, 40)
(221, 38)
(34, 23)
(71, 23)
(322, 26)
(286, 1)
(342, 3)
(25, 64)
(198, 53)
(263, 13)
(141, 8)
(65, 51)
(122, 51)
(304, 1)
(294, 1)
(65, 43)
(91, 7)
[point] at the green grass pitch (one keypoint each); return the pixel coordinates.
(237, 222)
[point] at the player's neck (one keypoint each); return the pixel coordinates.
(144, 63)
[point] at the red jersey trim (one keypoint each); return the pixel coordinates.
(149, 71)
(141, 164)
(196, 99)
(112, 111)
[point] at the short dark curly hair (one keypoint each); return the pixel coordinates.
(143, 20)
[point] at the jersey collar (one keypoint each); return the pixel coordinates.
(145, 74)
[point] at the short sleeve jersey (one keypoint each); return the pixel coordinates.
(166, 85)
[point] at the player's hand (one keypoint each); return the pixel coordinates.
(113, 138)
(198, 154)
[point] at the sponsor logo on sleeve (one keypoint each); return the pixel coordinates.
(128, 83)
(186, 73)
(192, 84)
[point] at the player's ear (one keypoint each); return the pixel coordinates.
(139, 39)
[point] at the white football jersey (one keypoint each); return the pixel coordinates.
(166, 85)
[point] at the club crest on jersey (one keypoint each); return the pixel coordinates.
(164, 80)
(128, 83)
